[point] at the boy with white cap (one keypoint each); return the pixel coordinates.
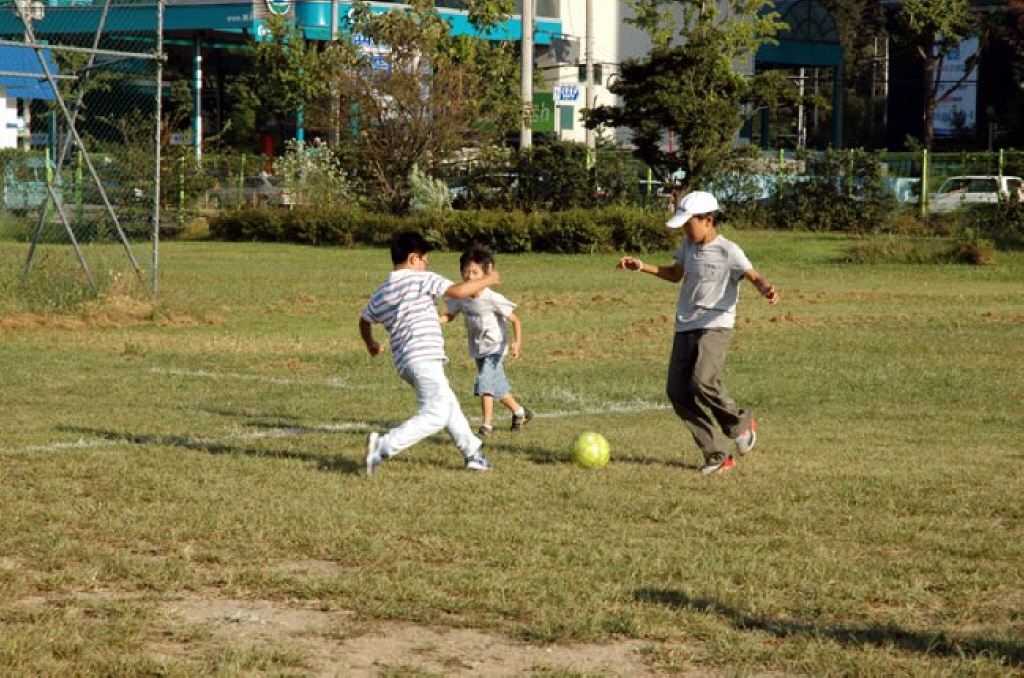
(710, 268)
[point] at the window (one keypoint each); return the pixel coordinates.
(597, 73)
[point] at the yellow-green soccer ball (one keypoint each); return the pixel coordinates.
(591, 450)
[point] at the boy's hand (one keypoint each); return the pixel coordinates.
(770, 294)
(630, 264)
(515, 350)
(375, 348)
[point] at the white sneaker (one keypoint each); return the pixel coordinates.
(745, 442)
(477, 462)
(372, 457)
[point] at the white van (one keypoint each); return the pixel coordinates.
(975, 189)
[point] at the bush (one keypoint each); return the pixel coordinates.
(1002, 223)
(892, 250)
(508, 232)
(554, 177)
(574, 231)
(841, 191)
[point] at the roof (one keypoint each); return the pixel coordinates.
(29, 79)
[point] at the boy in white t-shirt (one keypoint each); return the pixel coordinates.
(406, 305)
(711, 269)
(488, 315)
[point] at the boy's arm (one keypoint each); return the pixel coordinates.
(467, 289)
(516, 347)
(366, 332)
(762, 285)
(672, 273)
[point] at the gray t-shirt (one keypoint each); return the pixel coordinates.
(712, 273)
(486, 324)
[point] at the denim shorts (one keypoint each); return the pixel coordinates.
(490, 377)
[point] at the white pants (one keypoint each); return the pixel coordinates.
(438, 409)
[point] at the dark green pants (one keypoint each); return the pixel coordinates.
(698, 395)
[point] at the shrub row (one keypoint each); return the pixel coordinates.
(568, 232)
(613, 228)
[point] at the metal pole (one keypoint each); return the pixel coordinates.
(197, 118)
(925, 171)
(526, 83)
(26, 112)
(335, 93)
(157, 133)
(590, 70)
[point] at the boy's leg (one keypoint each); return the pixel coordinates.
(682, 391)
(435, 412)
(511, 403)
(710, 391)
(487, 403)
(459, 429)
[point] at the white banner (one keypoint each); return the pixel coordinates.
(959, 109)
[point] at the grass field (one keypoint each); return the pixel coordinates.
(182, 493)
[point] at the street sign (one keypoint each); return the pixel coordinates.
(543, 113)
(564, 93)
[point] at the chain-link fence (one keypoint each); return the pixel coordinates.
(79, 86)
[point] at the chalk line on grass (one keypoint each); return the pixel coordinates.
(590, 409)
(333, 382)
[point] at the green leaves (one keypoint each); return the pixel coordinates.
(694, 91)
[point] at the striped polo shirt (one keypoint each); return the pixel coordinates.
(406, 305)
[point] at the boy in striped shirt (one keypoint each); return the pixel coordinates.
(406, 305)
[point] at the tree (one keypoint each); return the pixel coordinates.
(293, 73)
(694, 90)
(933, 29)
(418, 94)
(861, 27)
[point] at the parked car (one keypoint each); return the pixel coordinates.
(262, 190)
(956, 192)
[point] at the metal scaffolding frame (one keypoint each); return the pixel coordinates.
(28, 13)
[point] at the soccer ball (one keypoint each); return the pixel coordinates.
(591, 450)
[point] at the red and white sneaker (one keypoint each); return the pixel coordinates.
(745, 442)
(717, 463)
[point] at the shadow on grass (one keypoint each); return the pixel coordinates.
(546, 455)
(222, 446)
(1009, 651)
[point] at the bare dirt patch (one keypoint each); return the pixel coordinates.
(105, 312)
(332, 642)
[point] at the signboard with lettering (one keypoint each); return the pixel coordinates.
(566, 93)
(543, 112)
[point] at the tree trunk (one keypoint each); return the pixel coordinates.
(931, 91)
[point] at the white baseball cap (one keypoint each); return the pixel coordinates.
(697, 202)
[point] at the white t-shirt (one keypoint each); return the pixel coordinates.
(406, 305)
(712, 273)
(486, 321)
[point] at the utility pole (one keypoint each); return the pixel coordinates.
(526, 83)
(335, 94)
(589, 39)
(197, 96)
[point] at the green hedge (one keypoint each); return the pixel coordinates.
(571, 231)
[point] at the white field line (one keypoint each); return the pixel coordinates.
(333, 382)
(295, 431)
(593, 409)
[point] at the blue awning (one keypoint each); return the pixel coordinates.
(31, 85)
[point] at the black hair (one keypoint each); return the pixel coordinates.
(408, 242)
(477, 254)
(718, 216)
